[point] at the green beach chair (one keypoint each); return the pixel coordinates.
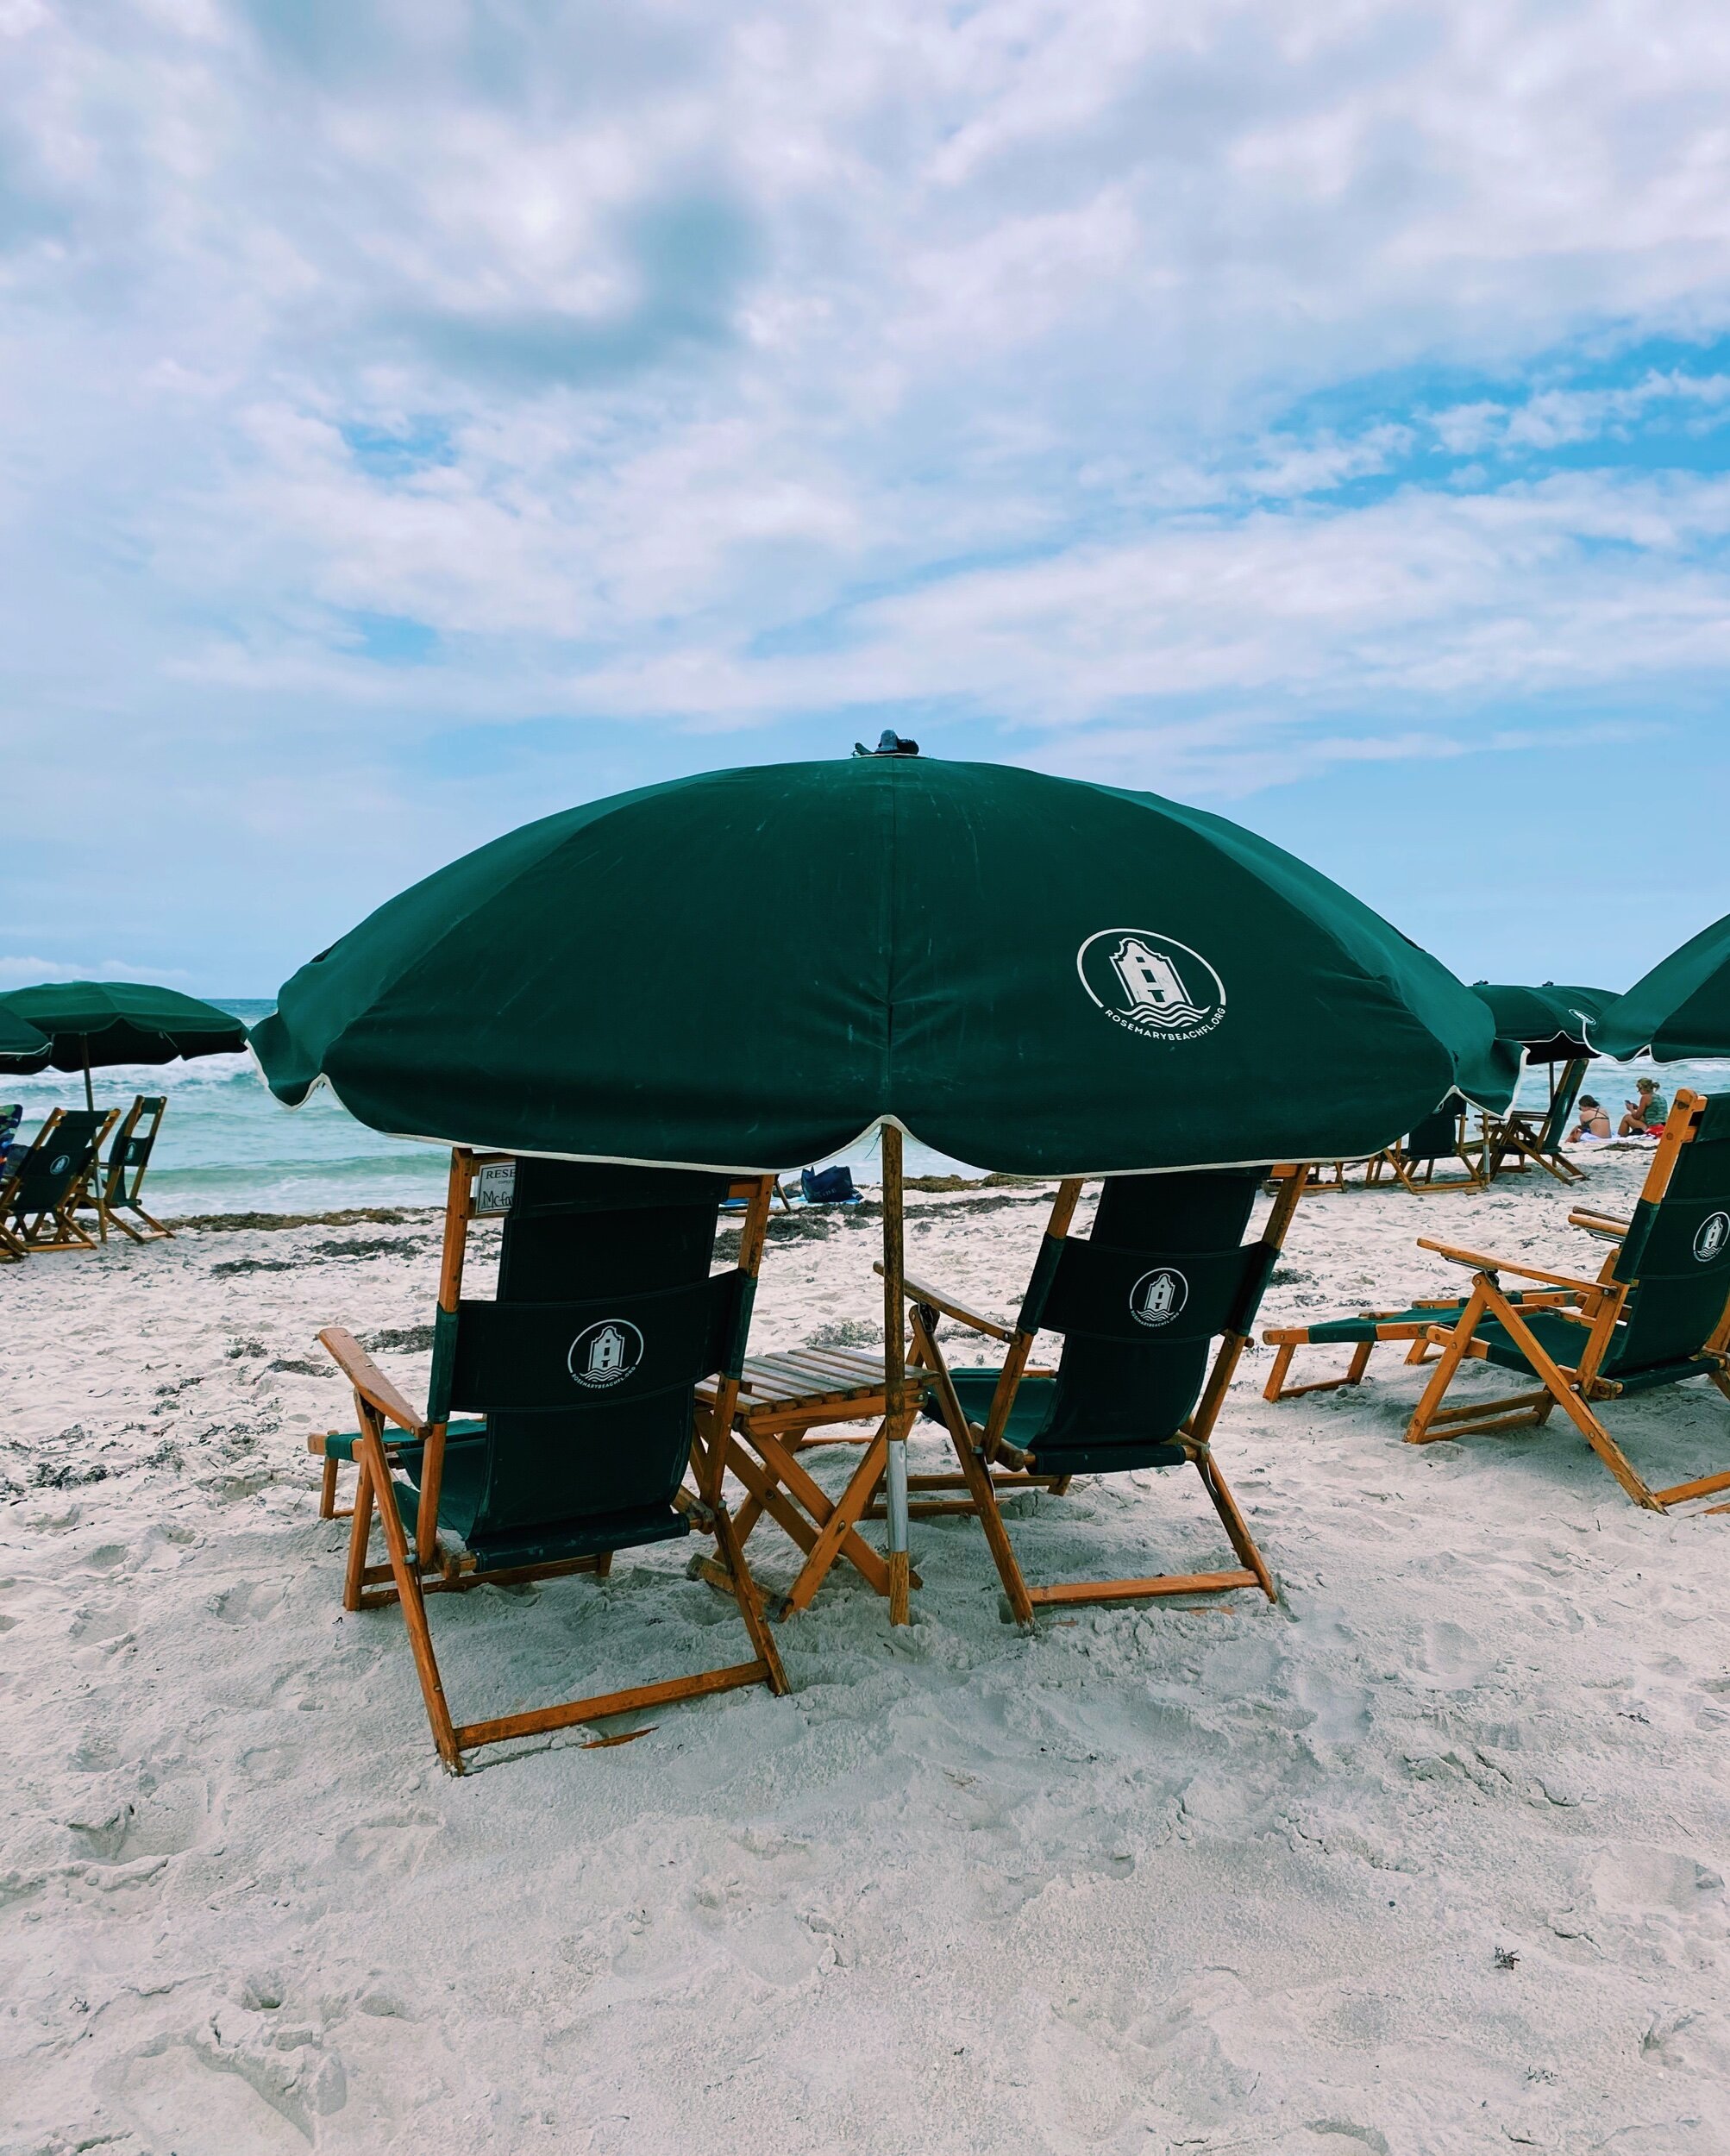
(1517, 1141)
(1366, 1330)
(581, 1375)
(114, 1195)
(1657, 1315)
(45, 1182)
(1139, 1303)
(1439, 1135)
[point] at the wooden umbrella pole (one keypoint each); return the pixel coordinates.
(894, 1334)
(90, 1092)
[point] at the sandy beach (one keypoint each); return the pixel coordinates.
(1427, 1859)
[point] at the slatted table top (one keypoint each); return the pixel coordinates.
(806, 1375)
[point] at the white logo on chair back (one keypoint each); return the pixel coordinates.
(1157, 1297)
(1711, 1236)
(605, 1352)
(1151, 984)
(59, 1163)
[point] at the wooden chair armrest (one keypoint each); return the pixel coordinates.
(1480, 1263)
(917, 1291)
(369, 1381)
(1596, 1222)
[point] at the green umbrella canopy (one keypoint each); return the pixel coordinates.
(93, 1022)
(21, 1047)
(1549, 1023)
(749, 969)
(1682, 1007)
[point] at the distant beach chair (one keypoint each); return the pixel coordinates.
(1366, 1330)
(1437, 1137)
(10, 1117)
(44, 1183)
(1521, 1139)
(583, 1371)
(1139, 1302)
(1658, 1313)
(115, 1186)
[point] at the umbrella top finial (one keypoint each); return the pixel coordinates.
(889, 743)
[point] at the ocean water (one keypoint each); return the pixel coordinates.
(227, 1146)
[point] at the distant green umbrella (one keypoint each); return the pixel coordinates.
(21, 1047)
(1548, 1022)
(93, 1022)
(750, 969)
(1682, 1007)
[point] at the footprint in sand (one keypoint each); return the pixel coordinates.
(164, 1821)
(389, 1848)
(1449, 1658)
(183, 2103)
(1634, 1882)
(248, 1602)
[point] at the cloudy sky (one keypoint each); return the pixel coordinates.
(421, 416)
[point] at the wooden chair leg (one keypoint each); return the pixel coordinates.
(978, 1474)
(1453, 1352)
(750, 1603)
(327, 1490)
(360, 1533)
(1234, 1521)
(406, 1574)
(1275, 1388)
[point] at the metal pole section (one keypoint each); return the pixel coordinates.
(894, 1386)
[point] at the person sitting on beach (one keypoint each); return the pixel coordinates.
(1648, 1114)
(1595, 1121)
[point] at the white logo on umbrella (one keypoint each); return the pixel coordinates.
(1158, 1296)
(1151, 984)
(605, 1353)
(1713, 1234)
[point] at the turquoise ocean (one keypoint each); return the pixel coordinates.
(227, 1146)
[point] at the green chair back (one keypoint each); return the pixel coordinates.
(1678, 1252)
(1139, 1302)
(55, 1161)
(1557, 1122)
(129, 1155)
(585, 1363)
(1437, 1135)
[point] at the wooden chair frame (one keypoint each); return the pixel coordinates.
(1596, 1305)
(1390, 1325)
(113, 1190)
(1519, 1135)
(53, 1227)
(978, 1450)
(1405, 1170)
(414, 1571)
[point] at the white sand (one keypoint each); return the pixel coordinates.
(1234, 1879)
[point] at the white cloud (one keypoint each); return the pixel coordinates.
(694, 368)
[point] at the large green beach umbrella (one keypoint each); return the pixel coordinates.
(750, 969)
(1682, 1007)
(21, 1047)
(90, 1024)
(1550, 1022)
